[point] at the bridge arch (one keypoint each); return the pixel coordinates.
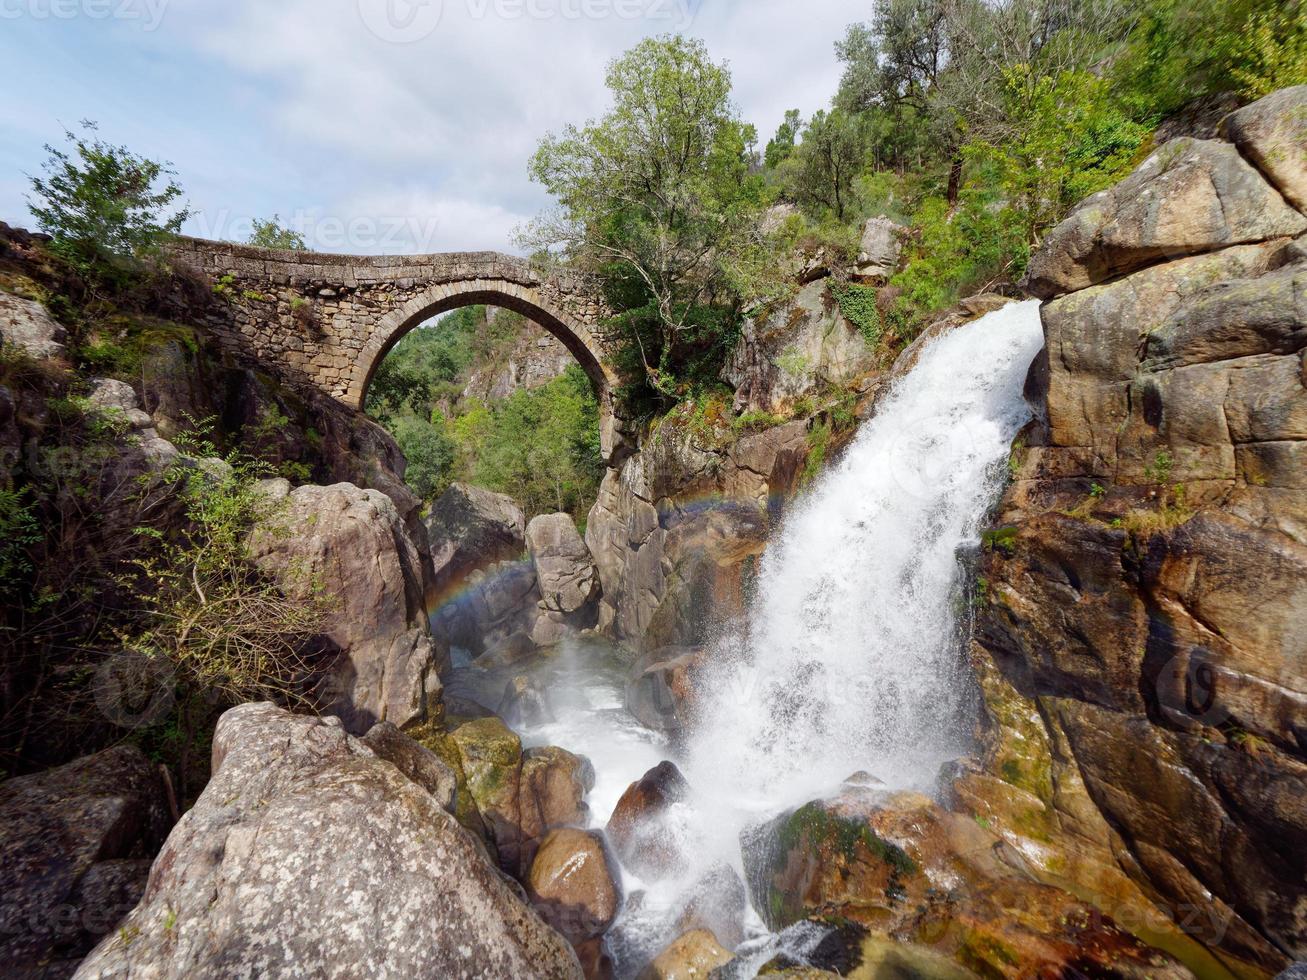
(573, 335)
(329, 320)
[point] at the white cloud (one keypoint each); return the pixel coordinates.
(302, 109)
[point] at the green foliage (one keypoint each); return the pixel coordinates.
(958, 251)
(19, 532)
(858, 305)
(541, 446)
(781, 146)
(106, 208)
(1069, 140)
(755, 421)
(1159, 470)
(225, 628)
(1002, 539)
(431, 453)
(271, 234)
(1182, 50)
(819, 440)
(822, 172)
(659, 198)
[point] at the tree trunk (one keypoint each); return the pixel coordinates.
(954, 180)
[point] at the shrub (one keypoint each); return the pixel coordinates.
(106, 208)
(271, 234)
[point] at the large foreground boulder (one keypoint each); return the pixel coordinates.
(75, 850)
(353, 544)
(307, 855)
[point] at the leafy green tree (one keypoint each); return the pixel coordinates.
(1181, 50)
(271, 234)
(826, 164)
(106, 208)
(541, 446)
(658, 196)
(781, 146)
(430, 453)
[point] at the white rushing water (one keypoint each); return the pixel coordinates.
(851, 658)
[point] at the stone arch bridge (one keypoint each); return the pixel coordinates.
(329, 320)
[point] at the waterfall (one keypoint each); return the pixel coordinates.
(851, 658)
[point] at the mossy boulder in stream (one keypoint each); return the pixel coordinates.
(902, 868)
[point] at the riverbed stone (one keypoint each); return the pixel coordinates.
(638, 828)
(573, 884)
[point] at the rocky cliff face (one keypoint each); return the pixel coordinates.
(1140, 627)
(675, 530)
(535, 358)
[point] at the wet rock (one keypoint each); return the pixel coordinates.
(596, 963)
(520, 796)
(415, 761)
(76, 843)
(663, 693)
(556, 782)
(898, 865)
(524, 704)
(573, 884)
(718, 903)
(638, 827)
(26, 325)
(308, 854)
(1190, 196)
(353, 544)
(691, 957)
(565, 572)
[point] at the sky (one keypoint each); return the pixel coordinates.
(371, 126)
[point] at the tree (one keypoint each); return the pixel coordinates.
(893, 66)
(106, 208)
(781, 146)
(430, 454)
(827, 161)
(658, 197)
(270, 234)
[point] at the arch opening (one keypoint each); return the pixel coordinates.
(497, 396)
(395, 327)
